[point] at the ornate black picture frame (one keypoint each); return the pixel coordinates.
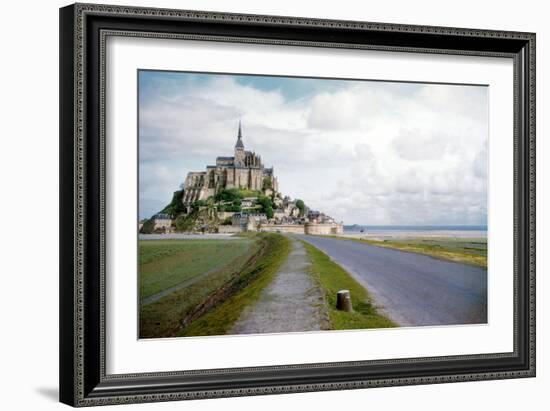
(83, 30)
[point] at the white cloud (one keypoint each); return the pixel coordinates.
(364, 152)
(334, 111)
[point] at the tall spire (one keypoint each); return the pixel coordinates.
(239, 138)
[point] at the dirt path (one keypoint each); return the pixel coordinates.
(292, 302)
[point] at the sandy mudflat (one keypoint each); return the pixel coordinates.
(388, 234)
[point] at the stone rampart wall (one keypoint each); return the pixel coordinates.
(323, 229)
(283, 228)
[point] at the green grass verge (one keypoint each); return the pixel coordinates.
(333, 278)
(251, 282)
(166, 263)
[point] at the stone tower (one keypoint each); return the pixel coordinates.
(239, 149)
(244, 170)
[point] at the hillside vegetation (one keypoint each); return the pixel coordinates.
(203, 214)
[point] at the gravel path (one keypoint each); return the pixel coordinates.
(413, 289)
(292, 302)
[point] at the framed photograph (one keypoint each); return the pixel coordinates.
(262, 204)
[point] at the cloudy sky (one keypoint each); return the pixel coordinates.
(364, 152)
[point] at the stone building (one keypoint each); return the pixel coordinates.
(244, 170)
(162, 222)
(249, 202)
(249, 221)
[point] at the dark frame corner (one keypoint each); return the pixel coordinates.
(83, 381)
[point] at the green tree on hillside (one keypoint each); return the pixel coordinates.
(301, 206)
(234, 194)
(148, 226)
(199, 203)
(267, 183)
(176, 205)
(267, 205)
(228, 195)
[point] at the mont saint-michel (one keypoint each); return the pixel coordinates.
(237, 194)
(272, 204)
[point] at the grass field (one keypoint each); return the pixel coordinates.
(333, 278)
(471, 251)
(164, 317)
(166, 263)
(252, 280)
(212, 304)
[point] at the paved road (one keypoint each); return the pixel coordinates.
(292, 302)
(413, 289)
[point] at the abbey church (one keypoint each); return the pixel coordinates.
(244, 170)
